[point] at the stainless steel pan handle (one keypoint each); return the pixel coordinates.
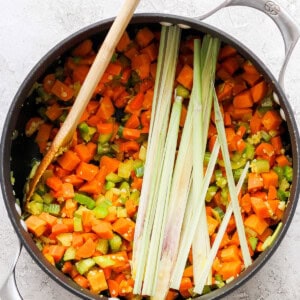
(287, 26)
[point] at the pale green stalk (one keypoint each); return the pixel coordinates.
(231, 186)
(216, 245)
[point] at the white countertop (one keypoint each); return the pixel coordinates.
(28, 29)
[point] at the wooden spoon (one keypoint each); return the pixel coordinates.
(66, 132)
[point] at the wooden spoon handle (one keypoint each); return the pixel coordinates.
(103, 57)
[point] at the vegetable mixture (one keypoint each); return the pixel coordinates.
(85, 212)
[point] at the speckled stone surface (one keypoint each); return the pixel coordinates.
(28, 29)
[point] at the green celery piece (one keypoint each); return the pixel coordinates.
(125, 168)
(109, 185)
(288, 173)
(113, 177)
(207, 156)
(238, 164)
(84, 265)
(270, 240)
(65, 238)
(41, 189)
(249, 152)
(260, 166)
(48, 198)
(139, 171)
(35, 208)
(70, 254)
(104, 138)
(211, 191)
(121, 212)
(101, 210)
(86, 132)
(104, 261)
(115, 243)
(85, 200)
(102, 246)
(181, 91)
(37, 198)
(279, 171)
(253, 242)
(52, 208)
(78, 224)
(104, 148)
(218, 213)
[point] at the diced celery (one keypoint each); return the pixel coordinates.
(85, 200)
(249, 152)
(181, 91)
(103, 261)
(79, 211)
(125, 187)
(284, 184)
(104, 138)
(113, 177)
(260, 166)
(37, 198)
(288, 173)
(84, 265)
(218, 213)
(139, 172)
(101, 210)
(102, 246)
(142, 153)
(70, 254)
(103, 148)
(207, 156)
(65, 238)
(211, 191)
(121, 212)
(253, 242)
(86, 132)
(266, 137)
(77, 224)
(125, 169)
(52, 208)
(279, 171)
(41, 189)
(115, 243)
(109, 185)
(224, 195)
(221, 181)
(238, 164)
(282, 195)
(237, 174)
(48, 198)
(35, 208)
(236, 157)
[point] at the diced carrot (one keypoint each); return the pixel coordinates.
(87, 249)
(153, 68)
(188, 271)
(62, 91)
(255, 223)
(57, 252)
(212, 225)
(80, 73)
(267, 232)
(131, 134)
(43, 135)
(68, 160)
(54, 183)
(59, 228)
(112, 164)
(69, 222)
(83, 152)
(270, 178)
(131, 207)
(245, 203)
(259, 91)
(131, 52)
(259, 206)
(48, 82)
(87, 219)
(133, 122)
(227, 51)
(50, 220)
(231, 64)
(185, 287)
(224, 90)
(144, 36)
(239, 85)
(113, 287)
(271, 120)
(185, 77)
(54, 111)
(81, 281)
(251, 79)
(277, 144)
(114, 69)
(33, 125)
(230, 269)
(67, 190)
(137, 183)
(73, 179)
(103, 229)
(141, 64)
(124, 227)
(265, 150)
(106, 109)
(255, 123)
(152, 51)
(86, 171)
(243, 114)
(83, 49)
(230, 253)
(36, 225)
(282, 161)
(243, 100)
(255, 182)
(124, 42)
(135, 104)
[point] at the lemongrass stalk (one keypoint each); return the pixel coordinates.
(153, 159)
(191, 220)
(216, 245)
(231, 186)
(208, 57)
(155, 248)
